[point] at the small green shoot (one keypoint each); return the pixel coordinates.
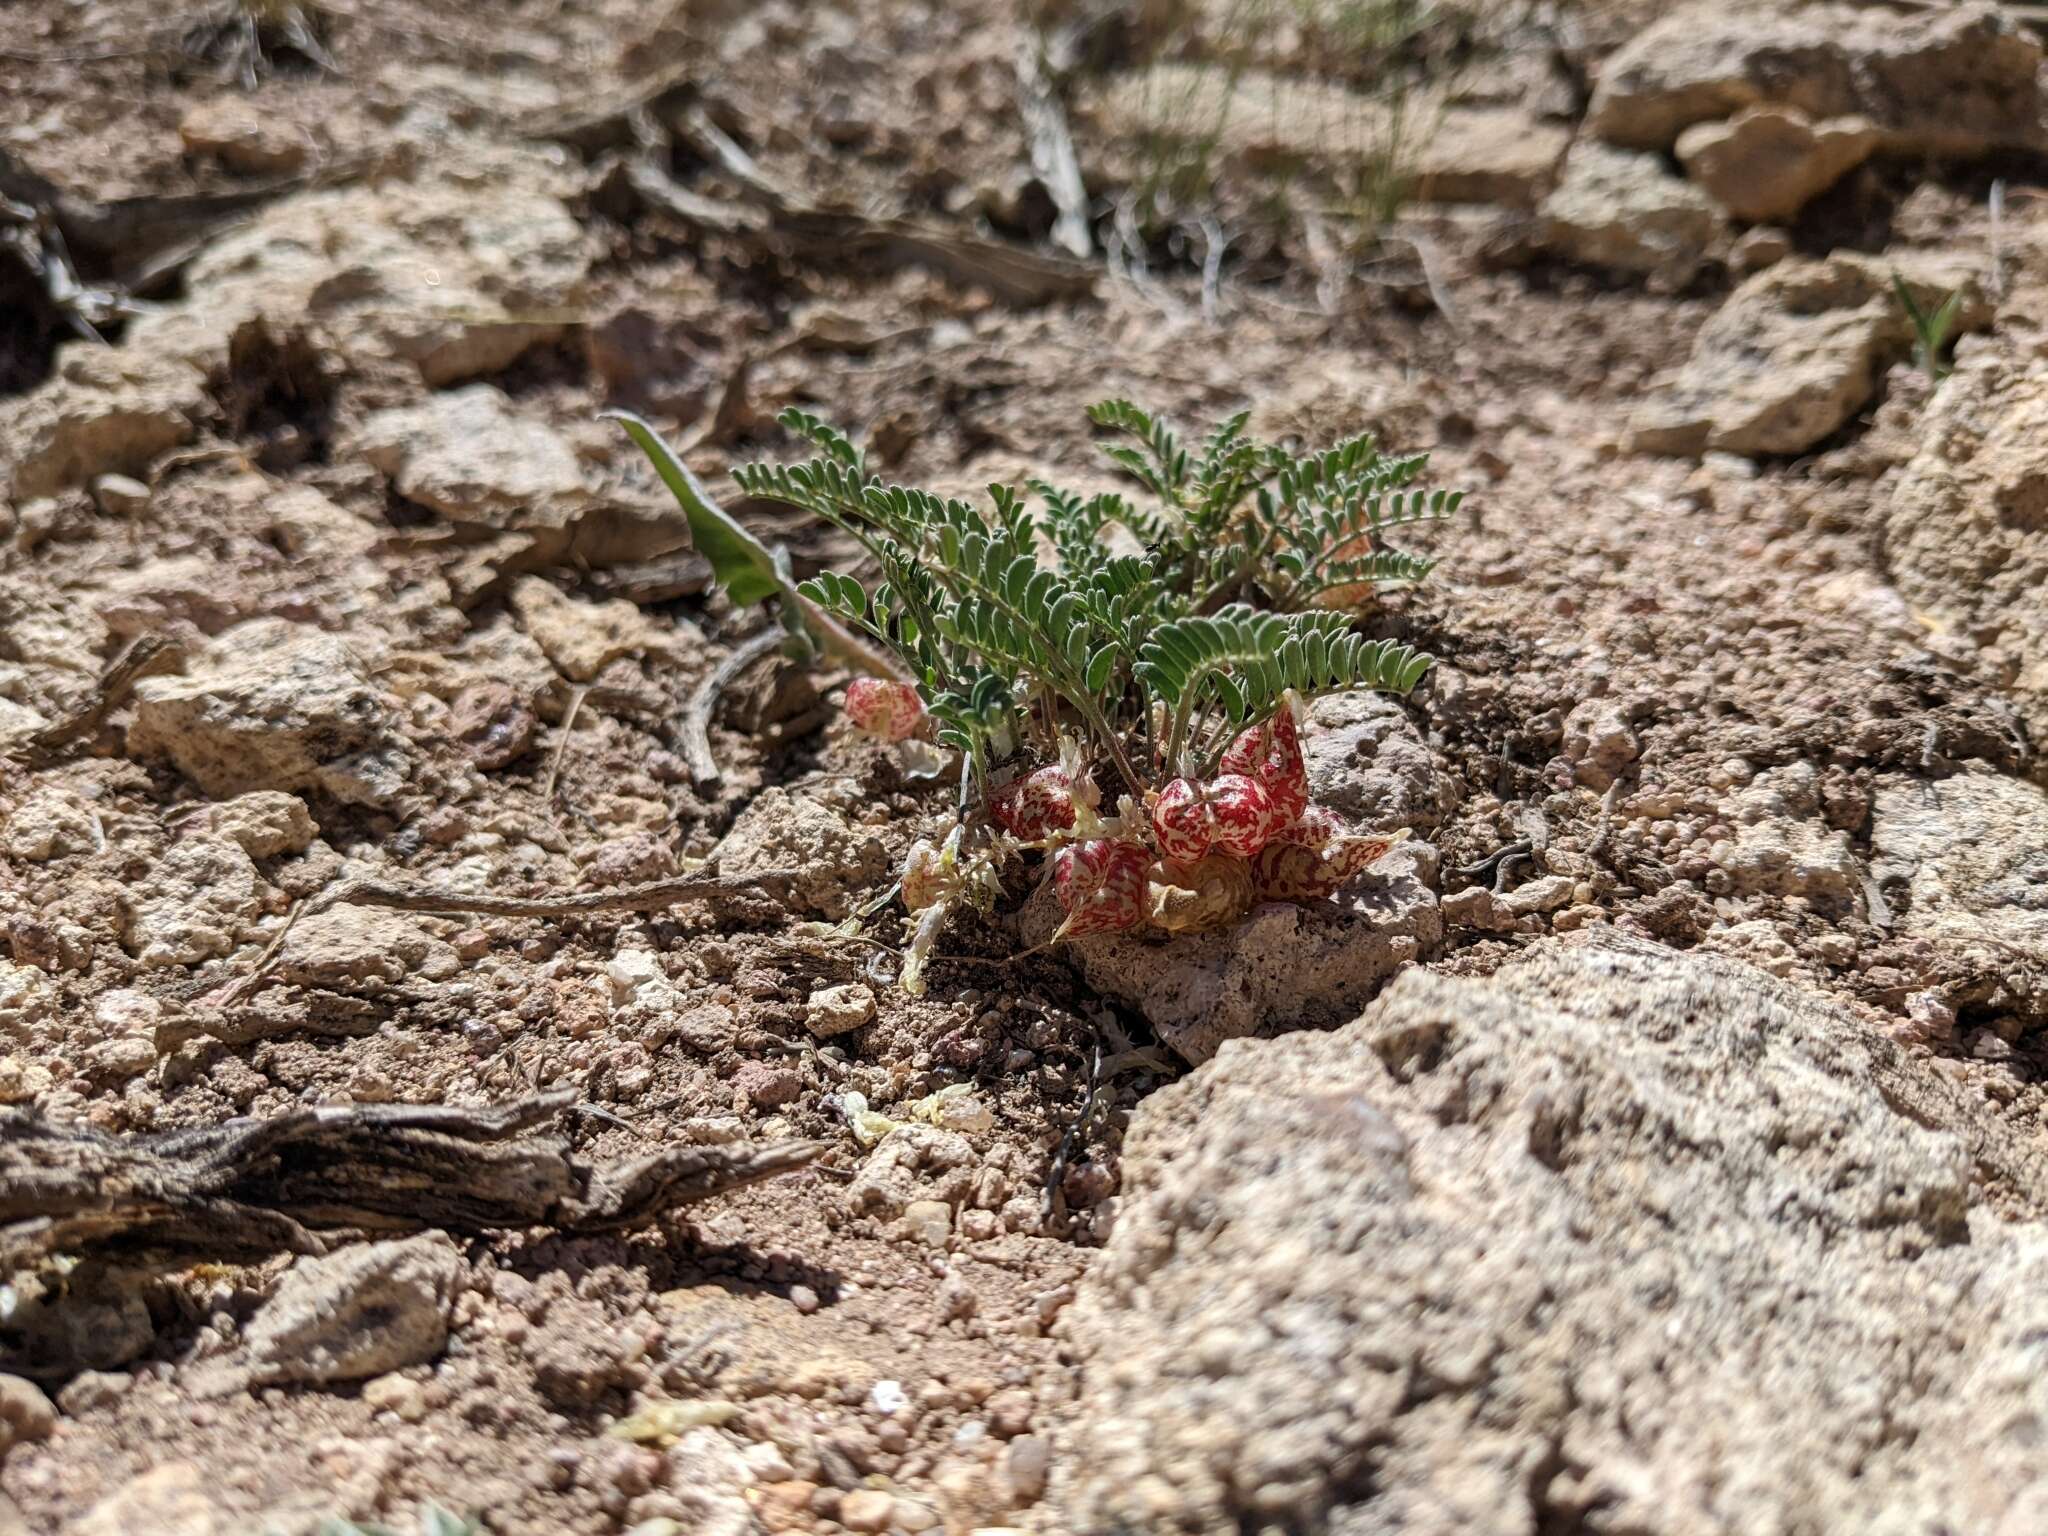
(1930, 331)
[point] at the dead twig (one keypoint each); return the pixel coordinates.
(655, 896)
(696, 727)
(547, 789)
(1077, 1132)
(144, 656)
(263, 1185)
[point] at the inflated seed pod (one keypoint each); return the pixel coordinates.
(1230, 813)
(1035, 806)
(1270, 754)
(1211, 892)
(1100, 884)
(882, 709)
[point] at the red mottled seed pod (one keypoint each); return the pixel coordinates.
(1229, 814)
(1290, 872)
(1245, 815)
(1180, 821)
(1271, 754)
(1316, 827)
(882, 709)
(1284, 871)
(1035, 806)
(1101, 884)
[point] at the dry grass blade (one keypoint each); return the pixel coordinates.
(696, 729)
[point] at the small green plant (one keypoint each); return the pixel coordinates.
(1930, 331)
(1019, 634)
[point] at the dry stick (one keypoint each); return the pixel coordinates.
(143, 655)
(696, 728)
(1056, 1172)
(547, 790)
(655, 896)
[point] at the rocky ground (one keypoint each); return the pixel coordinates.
(1683, 1171)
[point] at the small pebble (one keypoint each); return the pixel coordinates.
(768, 1086)
(1009, 1412)
(929, 1222)
(835, 1010)
(119, 496)
(867, 1510)
(785, 1506)
(26, 1413)
(803, 1298)
(1025, 1466)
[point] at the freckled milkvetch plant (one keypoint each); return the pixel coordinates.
(1170, 671)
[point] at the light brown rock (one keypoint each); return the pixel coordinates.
(106, 412)
(232, 130)
(197, 901)
(274, 705)
(1770, 162)
(583, 638)
(1971, 853)
(26, 1413)
(362, 1311)
(867, 1510)
(1498, 155)
(168, 1500)
(1947, 80)
(1624, 212)
(1966, 530)
(1284, 967)
(1794, 353)
(472, 456)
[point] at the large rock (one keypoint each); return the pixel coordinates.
(1770, 162)
(456, 277)
(272, 705)
(1960, 80)
(836, 859)
(473, 457)
(1794, 353)
(583, 638)
(1618, 1239)
(171, 1499)
(198, 901)
(1966, 534)
(1499, 155)
(1367, 761)
(1971, 854)
(1625, 212)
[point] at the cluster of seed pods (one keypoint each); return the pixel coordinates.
(1218, 846)
(1222, 845)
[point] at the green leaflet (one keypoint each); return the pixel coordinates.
(740, 563)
